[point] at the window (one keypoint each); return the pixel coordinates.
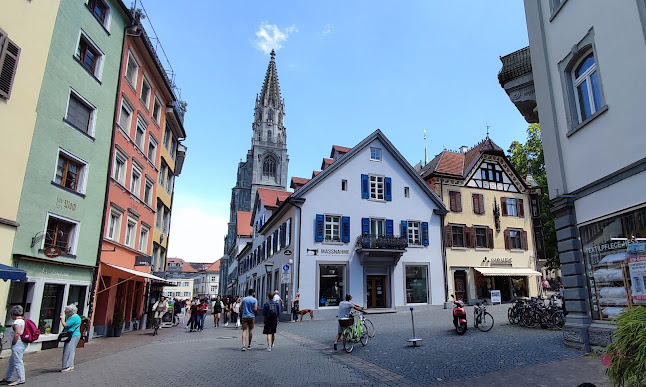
(414, 228)
(166, 221)
(344, 185)
(588, 90)
(377, 226)
(152, 148)
(145, 93)
(89, 55)
(157, 110)
(478, 203)
(148, 192)
(162, 173)
(375, 154)
(125, 116)
(167, 136)
(169, 181)
(377, 187)
(70, 172)
(457, 236)
(455, 201)
(130, 233)
(416, 284)
(268, 166)
(80, 114)
(61, 233)
(331, 285)
(9, 53)
(100, 10)
(135, 181)
(132, 70)
(481, 237)
(212, 289)
(332, 228)
(143, 239)
(155, 257)
(406, 192)
(114, 225)
(119, 169)
(515, 240)
(535, 209)
(512, 207)
(140, 135)
(489, 173)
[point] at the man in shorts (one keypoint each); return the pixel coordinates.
(344, 312)
(248, 308)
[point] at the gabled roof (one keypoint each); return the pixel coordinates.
(376, 135)
(244, 223)
(315, 173)
(271, 198)
(299, 180)
(460, 163)
(214, 268)
(186, 267)
(326, 162)
(340, 149)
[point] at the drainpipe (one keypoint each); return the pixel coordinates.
(95, 274)
(298, 275)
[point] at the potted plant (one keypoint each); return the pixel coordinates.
(627, 352)
(117, 323)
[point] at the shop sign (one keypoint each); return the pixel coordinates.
(52, 252)
(336, 252)
(609, 246)
(501, 260)
(54, 272)
(143, 260)
(287, 252)
(495, 297)
(64, 203)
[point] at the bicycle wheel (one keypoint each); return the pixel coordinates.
(364, 337)
(511, 316)
(485, 323)
(558, 319)
(348, 342)
(370, 328)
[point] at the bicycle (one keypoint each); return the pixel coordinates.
(156, 325)
(354, 332)
(482, 319)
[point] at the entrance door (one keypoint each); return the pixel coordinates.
(460, 285)
(376, 291)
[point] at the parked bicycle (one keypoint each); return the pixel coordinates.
(482, 319)
(354, 332)
(534, 312)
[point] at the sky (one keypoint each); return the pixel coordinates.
(346, 68)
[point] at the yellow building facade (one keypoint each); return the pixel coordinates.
(489, 230)
(26, 30)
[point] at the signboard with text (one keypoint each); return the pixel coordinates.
(495, 297)
(143, 260)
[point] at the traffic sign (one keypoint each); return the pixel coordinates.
(286, 268)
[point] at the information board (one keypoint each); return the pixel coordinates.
(495, 297)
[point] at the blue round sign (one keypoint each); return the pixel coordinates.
(285, 267)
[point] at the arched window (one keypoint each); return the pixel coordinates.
(269, 135)
(587, 88)
(269, 167)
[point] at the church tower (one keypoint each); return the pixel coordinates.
(269, 141)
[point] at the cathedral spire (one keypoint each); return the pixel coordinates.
(270, 94)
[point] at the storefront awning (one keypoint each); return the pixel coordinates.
(12, 273)
(507, 271)
(137, 273)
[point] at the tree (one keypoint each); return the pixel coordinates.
(531, 153)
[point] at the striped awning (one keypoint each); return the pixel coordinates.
(507, 271)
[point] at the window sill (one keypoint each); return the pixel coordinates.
(83, 132)
(78, 60)
(129, 83)
(459, 248)
(124, 133)
(332, 242)
(517, 250)
(416, 246)
(377, 161)
(483, 249)
(102, 23)
(144, 104)
(64, 255)
(587, 121)
(79, 194)
(138, 149)
(556, 10)
(369, 199)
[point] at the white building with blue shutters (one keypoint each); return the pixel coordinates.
(366, 225)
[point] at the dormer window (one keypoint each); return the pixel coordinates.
(375, 154)
(489, 173)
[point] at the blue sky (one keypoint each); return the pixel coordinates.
(345, 68)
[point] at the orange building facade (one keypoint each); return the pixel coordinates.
(146, 108)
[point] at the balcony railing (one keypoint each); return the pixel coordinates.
(381, 242)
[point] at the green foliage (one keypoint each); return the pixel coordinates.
(118, 319)
(628, 349)
(531, 152)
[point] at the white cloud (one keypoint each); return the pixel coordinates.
(269, 37)
(197, 230)
(329, 29)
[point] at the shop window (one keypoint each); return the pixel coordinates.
(331, 285)
(76, 297)
(50, 308)
(61, 233)
(457, 236)
(416, 284)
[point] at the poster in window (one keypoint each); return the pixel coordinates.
(637, 270)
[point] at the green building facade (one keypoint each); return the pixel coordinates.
(62, 201)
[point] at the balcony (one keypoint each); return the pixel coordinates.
(517, 79)
(380, 248)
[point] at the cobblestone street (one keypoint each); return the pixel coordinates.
(507, 355)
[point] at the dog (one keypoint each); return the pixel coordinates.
(303, 312)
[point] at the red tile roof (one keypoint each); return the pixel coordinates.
(315, 173)
(299, 180)
(244, 223)
(451, 163)
(215, 267)
(186, 267)
(341, 149)
(458, 163)
(327, 161)
(272, 197)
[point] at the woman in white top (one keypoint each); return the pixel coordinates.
(236, 312)
(17, 348)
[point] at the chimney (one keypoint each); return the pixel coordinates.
(464, 149)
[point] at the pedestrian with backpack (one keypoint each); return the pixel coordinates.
(72, 323)
(17, 348)
(270, 310)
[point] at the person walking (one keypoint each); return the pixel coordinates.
(226, 306)
(201, 312)
(72, 323)
(235, 314)
(249, 308)
(17, 348)
(193, 323)
(344, 312)
(271, 310)
(295, 307)
(216, 310)
(278, 300)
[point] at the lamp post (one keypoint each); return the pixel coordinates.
(268, 268)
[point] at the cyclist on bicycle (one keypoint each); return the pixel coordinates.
(160, 308)
(344, 312)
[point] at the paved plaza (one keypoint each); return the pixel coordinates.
(507, 355)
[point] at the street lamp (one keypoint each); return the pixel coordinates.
(268, 268)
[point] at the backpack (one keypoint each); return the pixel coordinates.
(273, 309)
(30, 333)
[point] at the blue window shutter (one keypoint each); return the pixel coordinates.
(365, 187)
(389, 227)
(345, 229)
(318, 230)
(365, 226)
(405, 230)
(425, 233)
(388, 189)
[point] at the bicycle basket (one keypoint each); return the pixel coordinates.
(346, 322)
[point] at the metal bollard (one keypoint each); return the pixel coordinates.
(414, 340)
